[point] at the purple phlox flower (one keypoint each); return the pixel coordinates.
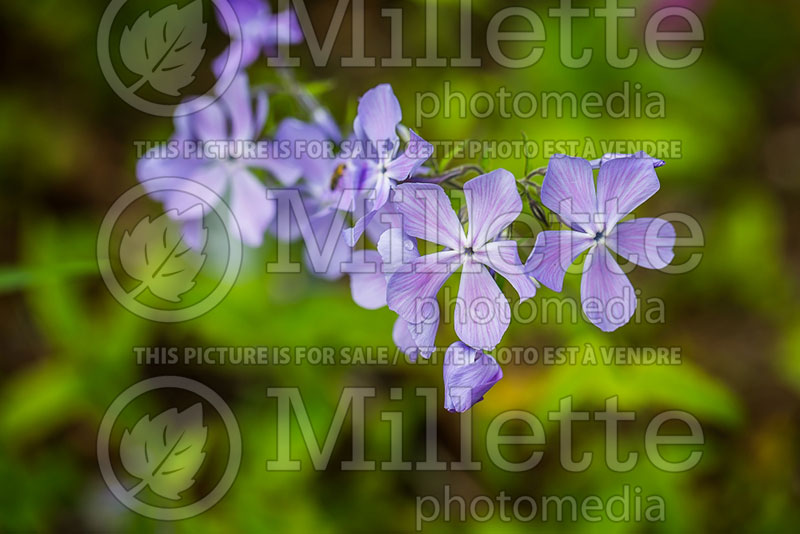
(482, 312)
(225, 125)
(468, 375)
(261, 30)
(607, 296)
(374, 166)
(301, 157)
(370, 271)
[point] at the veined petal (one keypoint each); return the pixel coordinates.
(503, 257)
(568, 189)
(416, 339)
(427, 214)
(482, 312)
(607, 296)
(622, 185)
(493, 203)
(412, 294)
(379, 113)
(596, 163)
(553, 254)
(647, 242)
(468, 375)
(416, 152)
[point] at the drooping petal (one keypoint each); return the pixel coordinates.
(427, 214)
(482, 313)
(568, 189)
(379, 113)
(416, 152)
(250, 207)
(468, 375)
(503, 257)
(417, 339)
(607, 296)
(367, 280)
(553, 254)
(493, 203)
(410, 294)
(647, 242)
(622, 185)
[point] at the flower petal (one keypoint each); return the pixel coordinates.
(240, 108)
(385, 219)
(596, 163)
(503, 257)
(209, 124)
(250, 207)
(416, 339)
(379, 113)
(482, 312)
(416, 152)
(553, 254)
(367, 281)
(382, 191)
(607, 296)
(493, 203)
(622, 185)
(411, 294)
(427, 214)
(397, 251)
(568, 189)
(326, 251)
(468, 375)
(647, 242)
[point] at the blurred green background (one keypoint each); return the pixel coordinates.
(66, 153)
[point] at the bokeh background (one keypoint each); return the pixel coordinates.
(66, 153)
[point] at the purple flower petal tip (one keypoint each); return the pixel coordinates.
(468, 375)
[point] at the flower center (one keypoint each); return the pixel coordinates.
(598, 236)
(468, 251)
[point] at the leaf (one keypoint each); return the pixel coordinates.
(165, 48)
(160, 246)
(165, 452)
